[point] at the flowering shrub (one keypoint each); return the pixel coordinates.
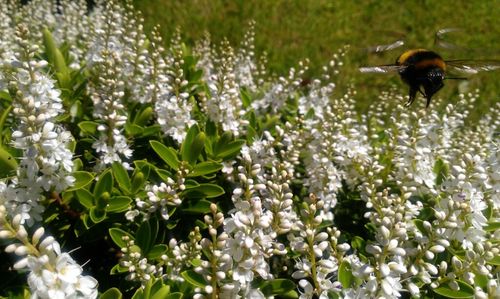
(130, 169)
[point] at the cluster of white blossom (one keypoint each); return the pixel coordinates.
(159, 199)
(425, 182)
(52, 273)
(173, 108)
(47, 162)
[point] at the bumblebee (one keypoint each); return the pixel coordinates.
(424, 71)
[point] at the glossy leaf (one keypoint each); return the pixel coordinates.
(276, 287)
(82, 179)
(133, 129)
(97, 215)
(156, 251)
(117, 235)
(112, 293)
(204, 190)
(167, 154)
(188, 142)
(8, 164)
(117, 269)
(143, 237)
(104, 184)
(85, 198)
(465, 291)
(161, 293)
(118, 204)
(204, 168)
(230, 150)
(121, 176)
(193, 151)
(194, 278)
(144, 116)
(345, 274)
(163, 174)
(89, 127)
(246, 100)
(201, 206)
(494, 261)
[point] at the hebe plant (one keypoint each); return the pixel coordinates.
(133, 169)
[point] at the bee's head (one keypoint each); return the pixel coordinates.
(433, 82)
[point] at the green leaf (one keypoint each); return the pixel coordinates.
(4, 95)
(49, 44)
(188, 141)
(157, 286)
(230, 150)
(112, 293)
(139, 294)
(204, 190)
(133, 129)
(293, 295)
(171, 224)
(494, 261)
(276, 287)
(8, 164)
(161, 293)
(492, 226)
(117, 235)
(167, 154)
(82, 179)
(117, 269)
(144, 116)
(85, 198)
(163, 174)
(194, 278)
(97, 215)
(156, 251)
(175, 295)
(104, 184)
(204, 168)
(4, 115)
(358, 243)
(121, 176)
(441, 170)
(143, 237)
(420, 225)
(192, 152)
(481, 280)
(118, 204)
(151, 130)
(465, 291)
(345, 274)
(210, 128)
(246, 100)
(138, 180)
(201, 206)
(89, 127)
(224, 139)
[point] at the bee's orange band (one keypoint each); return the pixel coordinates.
(408, 54)
(431, 62)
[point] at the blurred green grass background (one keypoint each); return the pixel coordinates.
(292, 30)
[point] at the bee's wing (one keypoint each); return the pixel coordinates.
(390, 68)
(439, 38)
(473, 66)
(389, 40)
(387, 47)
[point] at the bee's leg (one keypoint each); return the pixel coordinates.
(421, 91)
(428, 101)
(413, 95)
